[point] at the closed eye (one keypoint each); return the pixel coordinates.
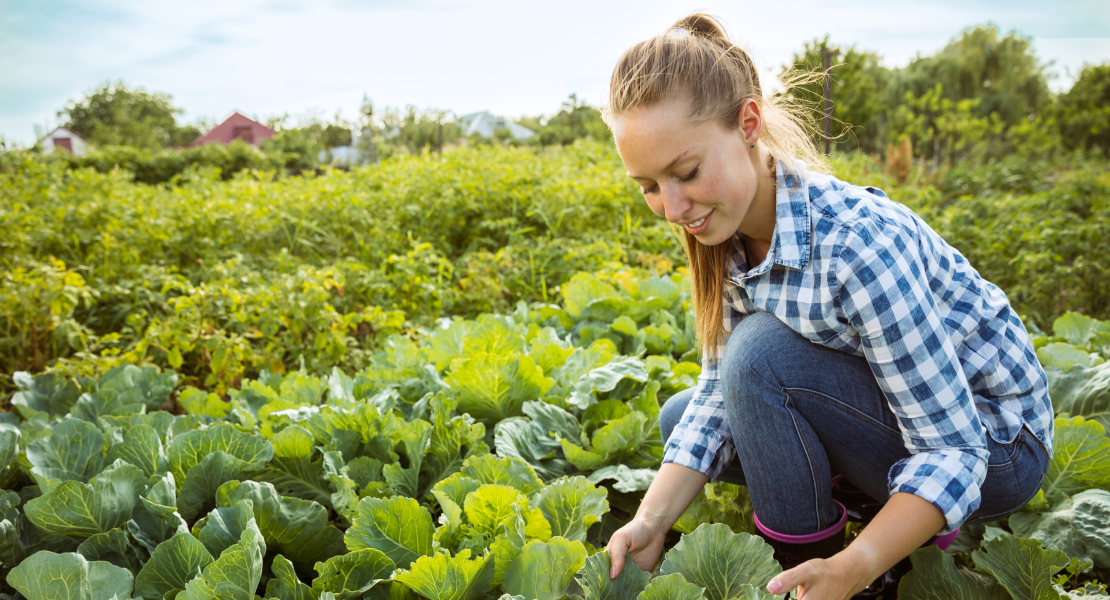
(684, 179)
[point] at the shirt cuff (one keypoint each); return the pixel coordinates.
(949, 479)
(700, 448)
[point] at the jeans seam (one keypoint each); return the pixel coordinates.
(998, 515)
(1037, 444)
(809, 462)
(846, 409)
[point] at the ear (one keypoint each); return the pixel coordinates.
(751, 121)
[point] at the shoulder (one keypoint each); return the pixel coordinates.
(860, 221)
(853, 206)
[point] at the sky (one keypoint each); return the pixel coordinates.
(519, 57)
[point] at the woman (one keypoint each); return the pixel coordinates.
(841, 333)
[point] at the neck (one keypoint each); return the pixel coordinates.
(759, 223)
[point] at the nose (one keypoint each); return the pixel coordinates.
(675, 203)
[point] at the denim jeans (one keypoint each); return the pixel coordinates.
(799, 411)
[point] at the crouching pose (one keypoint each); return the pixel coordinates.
(842, 336)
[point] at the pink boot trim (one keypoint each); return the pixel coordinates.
(944, 541)
(805, 539)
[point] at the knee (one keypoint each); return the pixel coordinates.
(752, 346)
(671, 412)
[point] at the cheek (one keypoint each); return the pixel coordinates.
(656, 206)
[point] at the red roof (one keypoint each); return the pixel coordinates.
(237, 126)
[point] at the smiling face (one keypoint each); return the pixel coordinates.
(702, 176)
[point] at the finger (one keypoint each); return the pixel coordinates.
(617, 553)
(788, 580)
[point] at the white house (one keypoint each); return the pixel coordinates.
(484, 124)
(62, 138)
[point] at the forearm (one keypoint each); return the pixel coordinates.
(670, 493)
(904, 523)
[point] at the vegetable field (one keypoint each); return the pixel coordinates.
(441, 377)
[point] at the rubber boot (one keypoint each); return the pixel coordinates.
(793, 550)
(861, 507)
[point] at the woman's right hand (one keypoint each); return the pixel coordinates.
(642, 542)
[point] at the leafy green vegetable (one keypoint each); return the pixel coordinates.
(440, 577)
(172, 565)
(82, 510)
(503, 471)
(223, 527)
(398, 526)
(1082, 392)
(350, 576)
(73, 452)
(114, 547)
(1078, 526)
(935, 577)
(671, 587)
(627, 480)
(199, 402)
(1081, 459)
(594, 580)
(296, 528)
(143, 448)
(543, 570)
(235, 574)
(49, 576)
(285, 585)
(721, 561)
(493, 387)
(204, 459)
(571, 505)
(1021, 566)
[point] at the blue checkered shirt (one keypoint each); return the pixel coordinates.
(855, 271)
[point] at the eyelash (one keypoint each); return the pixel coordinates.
(685, 179)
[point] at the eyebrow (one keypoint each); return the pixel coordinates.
(666, 168)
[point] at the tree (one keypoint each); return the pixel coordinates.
(1000, 72)
(858, 82)
(115, 114)
(575, 120)
(1084, 110)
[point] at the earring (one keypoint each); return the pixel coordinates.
(753, 146)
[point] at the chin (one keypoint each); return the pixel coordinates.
(712, 238)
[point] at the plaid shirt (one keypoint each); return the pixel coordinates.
(855, 271)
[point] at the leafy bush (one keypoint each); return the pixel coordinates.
(297, 485)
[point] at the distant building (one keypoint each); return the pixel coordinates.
(485, 124)
(236, 127)
(66, 140)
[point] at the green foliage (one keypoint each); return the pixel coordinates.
(49, 576)
(1000, 71)
(575, 120)
(935, 576)
(115, 114)
(1084, 110)
(722, 562)
(596, 585)
(858, 82)
(210, 162)
(1076, 526)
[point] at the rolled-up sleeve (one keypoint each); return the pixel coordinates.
(702, 439)
(884, 294)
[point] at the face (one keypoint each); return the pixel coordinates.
(700, 176)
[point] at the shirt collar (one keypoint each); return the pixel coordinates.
(791, 243)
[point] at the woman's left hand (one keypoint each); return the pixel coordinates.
(820, 579)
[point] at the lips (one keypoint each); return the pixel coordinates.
(700, 226)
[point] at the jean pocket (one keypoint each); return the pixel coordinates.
(1002, 456)
(1037, 446)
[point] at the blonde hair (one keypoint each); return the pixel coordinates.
(695, 58)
